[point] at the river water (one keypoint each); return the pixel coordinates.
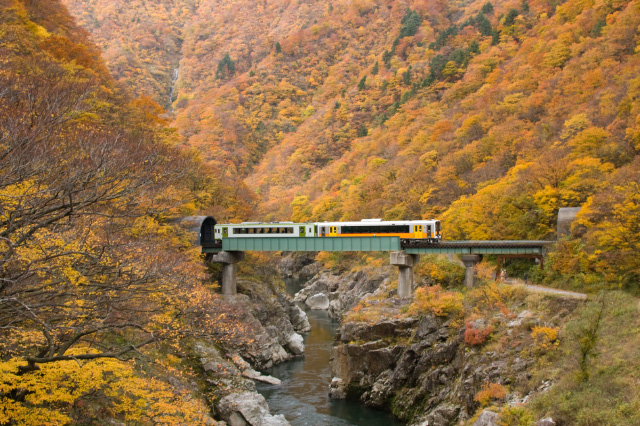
(303, 396)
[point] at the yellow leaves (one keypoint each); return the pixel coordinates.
(301, 210)
(52, 392)
(375, 162)
(434, 300)
(545, 338)
(575, 125)
(429, 159)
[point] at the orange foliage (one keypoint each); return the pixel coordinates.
(489, 392)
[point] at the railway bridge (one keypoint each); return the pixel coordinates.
(404, 253)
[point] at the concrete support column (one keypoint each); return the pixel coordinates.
(470, 261)
(405, 263)
(228, 260)
(229, 279)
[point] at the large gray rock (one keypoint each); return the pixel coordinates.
(487, 418)
(296, 344)
(318, 302)
(248, 409)
(299, 319)
(546, 422)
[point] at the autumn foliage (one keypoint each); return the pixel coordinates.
(434, 300)
(93, 269)
(490, 392)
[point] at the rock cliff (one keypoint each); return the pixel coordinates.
(424, 370)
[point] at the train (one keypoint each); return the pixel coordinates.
(428, 230)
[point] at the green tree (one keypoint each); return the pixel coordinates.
(510, 19)
(484, 26)
(226, 67)
(278, 47)
(363, 83)
(487, 8)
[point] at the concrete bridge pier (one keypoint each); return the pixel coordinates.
(229, 277)
(405, 263)
(470, 261)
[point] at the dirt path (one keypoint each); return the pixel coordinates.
(539, 289)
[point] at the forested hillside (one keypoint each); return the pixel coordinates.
(489, 115)
(97, 284)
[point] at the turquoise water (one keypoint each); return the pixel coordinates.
(303, 396)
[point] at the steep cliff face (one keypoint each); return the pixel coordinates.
(428, 370)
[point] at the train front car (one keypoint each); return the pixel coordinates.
(264, 230)
(410, 229)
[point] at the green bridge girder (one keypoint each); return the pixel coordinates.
(505, 247)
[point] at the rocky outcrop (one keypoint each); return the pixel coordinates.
(276, 322)
(299, 319)
(229, 380)
(248, 409)
(487, 418)
(343, 292)
(418, 367)
(299, 266)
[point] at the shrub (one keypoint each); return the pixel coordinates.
(476, 336)
(545, 337)
(436, 270)
(435, 301)
(515, 416)
(489, 392)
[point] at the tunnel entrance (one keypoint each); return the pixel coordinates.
(207, 236)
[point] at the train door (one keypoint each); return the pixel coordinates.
(417, 231)
(333, 231)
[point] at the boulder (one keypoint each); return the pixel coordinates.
(248, 409)
(336, 389)
(299, 319)
(318, 301)
(487, 418)
(296, 344)
(548, 421)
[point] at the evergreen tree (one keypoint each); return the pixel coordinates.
(228, 64)
(406, 77)
(375, 69)
(484, 26)
(510, 19)
(495, 37)
(474, 47)
(278, 47)
(386, 58)
(363, 83)
(363, 131)
(410, 24)
(487, 9)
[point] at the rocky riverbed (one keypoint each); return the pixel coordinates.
(228, 374)
(420, 367)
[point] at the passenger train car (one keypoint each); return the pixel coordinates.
(419, 229)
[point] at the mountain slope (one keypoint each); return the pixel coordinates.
(491, 115)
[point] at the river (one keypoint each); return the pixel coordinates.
(303, 396)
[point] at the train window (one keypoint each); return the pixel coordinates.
(289, 230)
